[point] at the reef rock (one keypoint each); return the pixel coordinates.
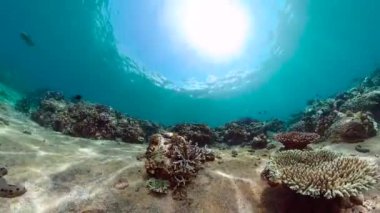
(196, 133)
(353, 127)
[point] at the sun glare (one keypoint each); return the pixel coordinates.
(217, 29)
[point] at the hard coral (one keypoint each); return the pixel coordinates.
(171, 157)
(321, 173)
(296, 140)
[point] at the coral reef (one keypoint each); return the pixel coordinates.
(245, 130)
(172, 158)
(320, 173)
(353, 127)
(296, 140)
(274, 125)
(86, 120)
(350, 116)
(196, 133)
(9, 190)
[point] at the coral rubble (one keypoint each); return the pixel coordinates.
(321, 173)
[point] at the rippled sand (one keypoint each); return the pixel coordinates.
(66, 174)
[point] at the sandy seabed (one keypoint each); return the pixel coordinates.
(67, 174)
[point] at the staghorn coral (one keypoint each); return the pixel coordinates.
(321, 173)
(296, 140)
(172, 158)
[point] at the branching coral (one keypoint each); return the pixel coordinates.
(296, 140)
(321, 173)
(170, 157)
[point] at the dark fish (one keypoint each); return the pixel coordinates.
(76, 98)
(27, 39)
(262, 112)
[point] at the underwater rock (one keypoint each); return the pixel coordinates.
(86, 120)
(321, 173)
(9, 190)
(259, 142)
(172, 158)
(296, 140)
(353, 127)
(196, 133)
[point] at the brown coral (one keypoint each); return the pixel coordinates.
(296, 140)
(171, 157)
(321, 173)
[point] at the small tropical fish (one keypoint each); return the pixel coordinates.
(27, 39)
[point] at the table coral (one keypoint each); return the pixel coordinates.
(321, 173)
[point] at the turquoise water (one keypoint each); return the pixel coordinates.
(81, 48)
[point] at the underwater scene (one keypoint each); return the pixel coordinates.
(187, 106)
